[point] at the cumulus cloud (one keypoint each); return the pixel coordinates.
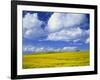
(75, 19)
(60, 26)
(66, 27)
(32, 26)
(31, 49)
(66, 35)
(73, 34)
(64, 20)
(55, 22)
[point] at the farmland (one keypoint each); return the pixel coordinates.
(55, 59)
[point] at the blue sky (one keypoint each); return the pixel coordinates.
(52, 31)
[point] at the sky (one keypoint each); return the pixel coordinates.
(55, 31)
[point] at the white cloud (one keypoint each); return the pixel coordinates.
(73, 34)
(65, 27)
(30, 48)
(64, 20)
(70, 49)
(73, 19)
(87, 40)
(55, 22)
(60, 26)
(32, 26)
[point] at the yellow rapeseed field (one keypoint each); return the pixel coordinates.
(56, 59)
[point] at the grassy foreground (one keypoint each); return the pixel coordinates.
(55, 59)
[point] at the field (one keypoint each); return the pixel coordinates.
(55, 59)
